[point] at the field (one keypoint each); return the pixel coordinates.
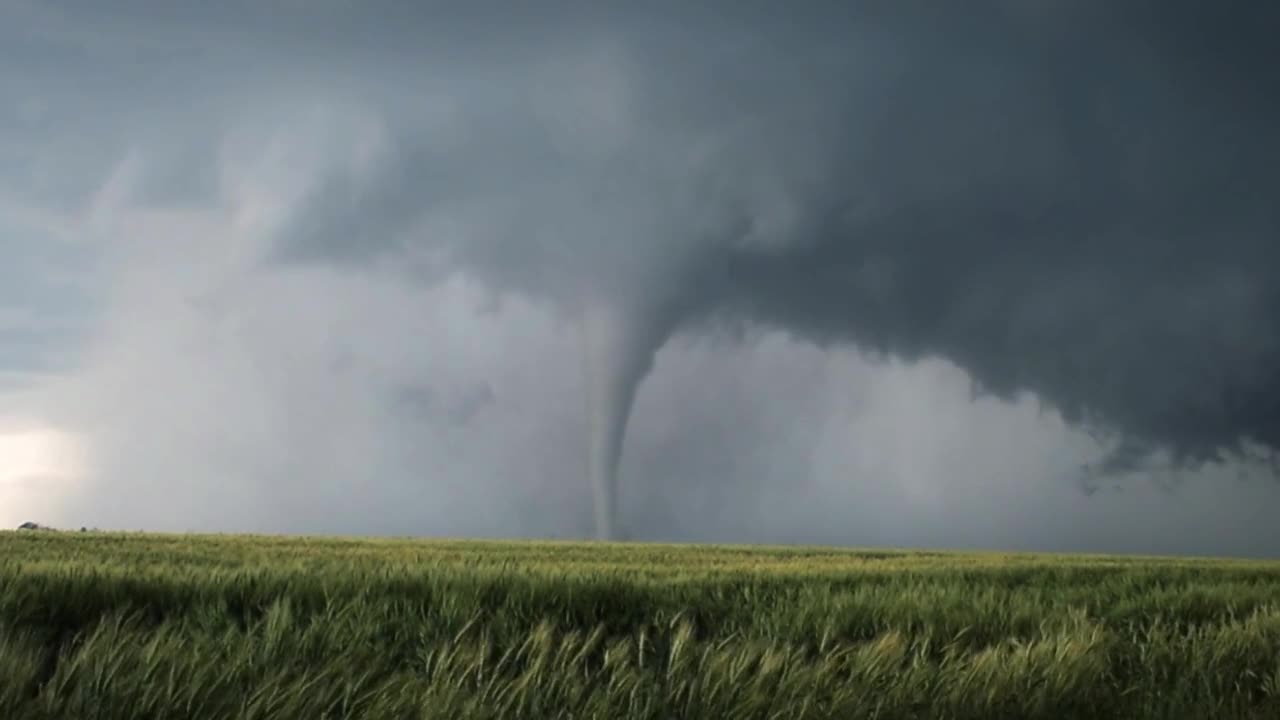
(153, 626)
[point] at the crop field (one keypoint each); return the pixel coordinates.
(187, 627)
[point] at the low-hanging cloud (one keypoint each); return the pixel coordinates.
(1072, 202)
(1066, 200)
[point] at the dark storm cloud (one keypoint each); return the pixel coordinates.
(1071, 199)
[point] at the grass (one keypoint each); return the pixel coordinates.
(152, 626)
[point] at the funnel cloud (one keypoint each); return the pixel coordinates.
(621, 342)
(1061, 204)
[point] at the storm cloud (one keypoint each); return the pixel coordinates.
(1067, 202)
(1074, 203)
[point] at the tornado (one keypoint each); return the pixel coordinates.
(621, 341)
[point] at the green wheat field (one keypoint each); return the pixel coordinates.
(135, 626)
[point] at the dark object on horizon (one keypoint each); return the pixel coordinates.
(33, 526)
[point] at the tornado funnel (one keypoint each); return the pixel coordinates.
(621, 341)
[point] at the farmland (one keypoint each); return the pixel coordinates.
(141, 626)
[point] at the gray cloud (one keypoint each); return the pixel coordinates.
(1094, 227)
(1065, 200)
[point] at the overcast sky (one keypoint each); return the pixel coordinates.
(994, 274)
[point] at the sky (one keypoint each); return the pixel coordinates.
(992, 275)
